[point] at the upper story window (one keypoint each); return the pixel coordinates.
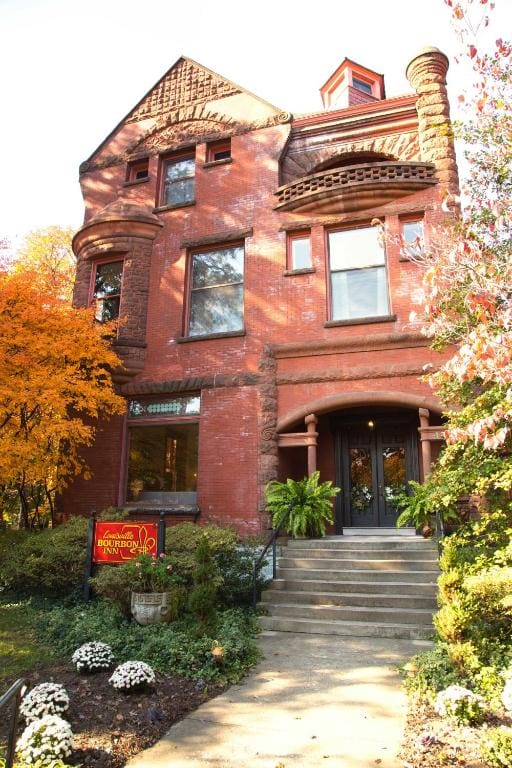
(178, 180)
(412, 238)
(362, 85)
(137, 170)
(299, 250)
(218, 150)
(358, 274)
(106, 292)
(216, 300)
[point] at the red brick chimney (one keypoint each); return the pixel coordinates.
(352, 84)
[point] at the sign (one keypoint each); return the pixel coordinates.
(119, 542)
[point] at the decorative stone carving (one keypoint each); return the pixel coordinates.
(427, 74)
(185, 83)
(268, 450)
(188, 125)
(302, 158)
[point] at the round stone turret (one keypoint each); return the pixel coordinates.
(427, 75)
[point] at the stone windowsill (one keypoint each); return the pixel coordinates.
(210, 336)
(361, 321)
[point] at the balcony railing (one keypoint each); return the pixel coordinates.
(355, 187)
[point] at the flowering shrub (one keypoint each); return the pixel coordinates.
(132, 675)
(44, 741)
(496, 748)
(44, 699)
(93, 657)
(460, 704)
(506, 696)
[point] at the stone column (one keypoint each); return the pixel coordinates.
(426, 448)
(311, 422)
(427, 74)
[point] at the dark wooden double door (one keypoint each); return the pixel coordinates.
(374, 461)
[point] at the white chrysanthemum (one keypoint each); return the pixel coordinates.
(44, 699)
(506, 696)
(45, 740)
(459, 703)
(132, 674)
(93, 657)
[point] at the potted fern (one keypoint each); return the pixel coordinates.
(309, 502)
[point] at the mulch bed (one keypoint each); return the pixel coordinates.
(109, 727)
(434, 742)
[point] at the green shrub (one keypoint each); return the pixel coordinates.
(236, 569)
(112, 514)
(182, 541)
(142, 574)
(49, 563)
(430, 672)
(172, 647)
(206, 579)
(496, 747)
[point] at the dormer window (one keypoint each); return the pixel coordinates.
(361, 85)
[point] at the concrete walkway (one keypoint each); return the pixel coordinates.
(315, 701)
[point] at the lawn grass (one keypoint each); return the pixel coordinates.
(19, 650)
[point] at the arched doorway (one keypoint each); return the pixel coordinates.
(375, 456)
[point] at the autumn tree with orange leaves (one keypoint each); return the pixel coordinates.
(468, 284)
(55, 385)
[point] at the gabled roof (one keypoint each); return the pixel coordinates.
(186, 83)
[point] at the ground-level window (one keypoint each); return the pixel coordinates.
(106, 291)
(163, 448)
(216, 299)
(162, 459)
(358, 274)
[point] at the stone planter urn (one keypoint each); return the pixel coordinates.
(151, 607)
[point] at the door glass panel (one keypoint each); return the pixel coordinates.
(394, 472)
(361, 480)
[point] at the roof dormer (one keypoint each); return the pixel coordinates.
(350, 85)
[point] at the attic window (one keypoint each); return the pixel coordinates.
(138, 170)
(218, 150)
(361, 85)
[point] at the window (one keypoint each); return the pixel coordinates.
(162, 459)
(216, 303)
(106, 291)
(138, 170)
(218, 150)
(299, 251)
(412, 239)
(362, 85)
(178, 180)
(163, 449)
(358, 274)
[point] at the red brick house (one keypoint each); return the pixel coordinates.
(264, 328)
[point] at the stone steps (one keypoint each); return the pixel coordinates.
(348, 598)
(353, 628)
(375, 564)
(366, 586)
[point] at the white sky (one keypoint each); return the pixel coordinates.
(71, 69)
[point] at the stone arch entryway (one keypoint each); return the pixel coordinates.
(369, 446)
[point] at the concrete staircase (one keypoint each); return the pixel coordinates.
(362, 584)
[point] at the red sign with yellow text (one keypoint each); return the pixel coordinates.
(118, 542)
